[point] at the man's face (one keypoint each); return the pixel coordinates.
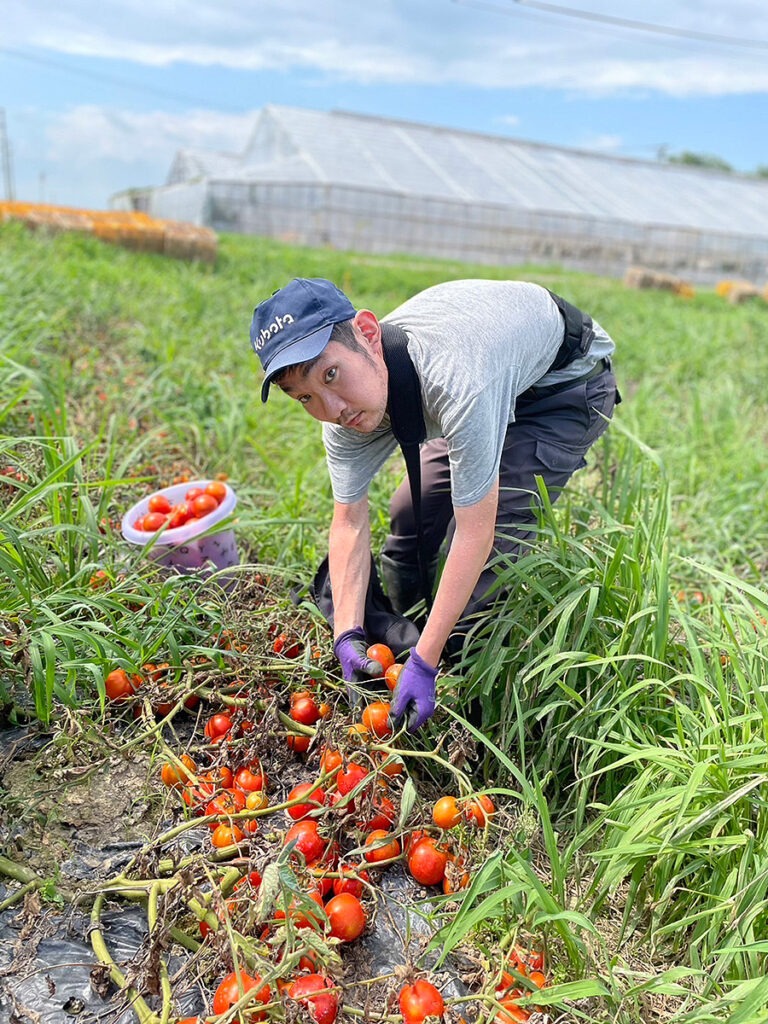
(343, 386)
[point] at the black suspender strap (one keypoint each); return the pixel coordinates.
(407, 419)
(578, 336)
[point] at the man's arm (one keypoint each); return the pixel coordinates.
(349, 561)
(471, 545)
(414, 696)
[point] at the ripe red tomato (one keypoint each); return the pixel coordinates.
(414, 837)
(392, 675)
(302, 915)
(159, 503)
(330, 760)
(305, 710)
(227, 835)
(315, 797)
(220, 777)
(382, 814)
(382, 654)
(175, 776)
(288, 648)
(479, 810)
(308, 840)
(419, 1001)
(218, 490)
(153, 521)
(217, 727)
(446, 813)
(196, 797)
(192, 493)
(119, 685)
(230, 991)
(510, 1012)
(251, 781)
(314, 991)
(99, 580)
(375, 718)
(247, 887)
(227, 803)
(203, 504)
(178, 515)
(506, 982)
(349, 777)
(351, 880)
(346, 917)
(527, 959)
(320, 872)
(299, 744)
(426, 862)
(391, 765)
(381, 845)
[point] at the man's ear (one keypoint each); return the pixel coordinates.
(369, 326)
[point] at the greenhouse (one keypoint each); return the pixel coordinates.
(371, 184)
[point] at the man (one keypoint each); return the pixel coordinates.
(515, 384)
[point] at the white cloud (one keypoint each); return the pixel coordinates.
(508, 120)
(496, 45)
(603, 143)
(94, 150)
(95, 133)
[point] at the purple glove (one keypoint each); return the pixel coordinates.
(414, 696)
(350, 647)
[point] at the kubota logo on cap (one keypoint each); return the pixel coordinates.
(272, 329)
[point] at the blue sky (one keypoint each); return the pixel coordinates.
(99, 94)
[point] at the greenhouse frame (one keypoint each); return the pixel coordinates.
(370, 184)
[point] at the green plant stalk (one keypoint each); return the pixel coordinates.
(184, 939)
(153, 922)
(142, 1011)
(19, 895)
(19, 872)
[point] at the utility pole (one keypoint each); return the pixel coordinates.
(5, 157)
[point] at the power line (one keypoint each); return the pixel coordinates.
(124, 83)
(630, 23)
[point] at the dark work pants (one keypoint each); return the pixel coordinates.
(549, 439)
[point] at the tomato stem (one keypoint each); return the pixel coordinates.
(99, 946)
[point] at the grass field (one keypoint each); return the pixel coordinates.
(623, 684)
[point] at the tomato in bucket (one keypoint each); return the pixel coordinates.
(179, 536)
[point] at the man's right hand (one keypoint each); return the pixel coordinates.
(350, 648)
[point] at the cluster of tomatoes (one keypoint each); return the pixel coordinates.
(530, 964)
(120, 686)
(340, 831)
(197, 504)
(358, 794)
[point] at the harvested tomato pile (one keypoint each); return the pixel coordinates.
(304, 807)
(197, 504)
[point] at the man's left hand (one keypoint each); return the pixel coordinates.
(414, 696)
(350, 648)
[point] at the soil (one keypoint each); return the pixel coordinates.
(82, 810)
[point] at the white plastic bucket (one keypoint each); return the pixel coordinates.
(180, 548)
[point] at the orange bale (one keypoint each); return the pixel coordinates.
(132, 229)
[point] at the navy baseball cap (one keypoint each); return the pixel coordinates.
(295, 323)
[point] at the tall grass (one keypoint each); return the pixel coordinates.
(640, 711)
(622, 680)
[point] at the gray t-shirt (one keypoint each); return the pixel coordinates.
(476, 346)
